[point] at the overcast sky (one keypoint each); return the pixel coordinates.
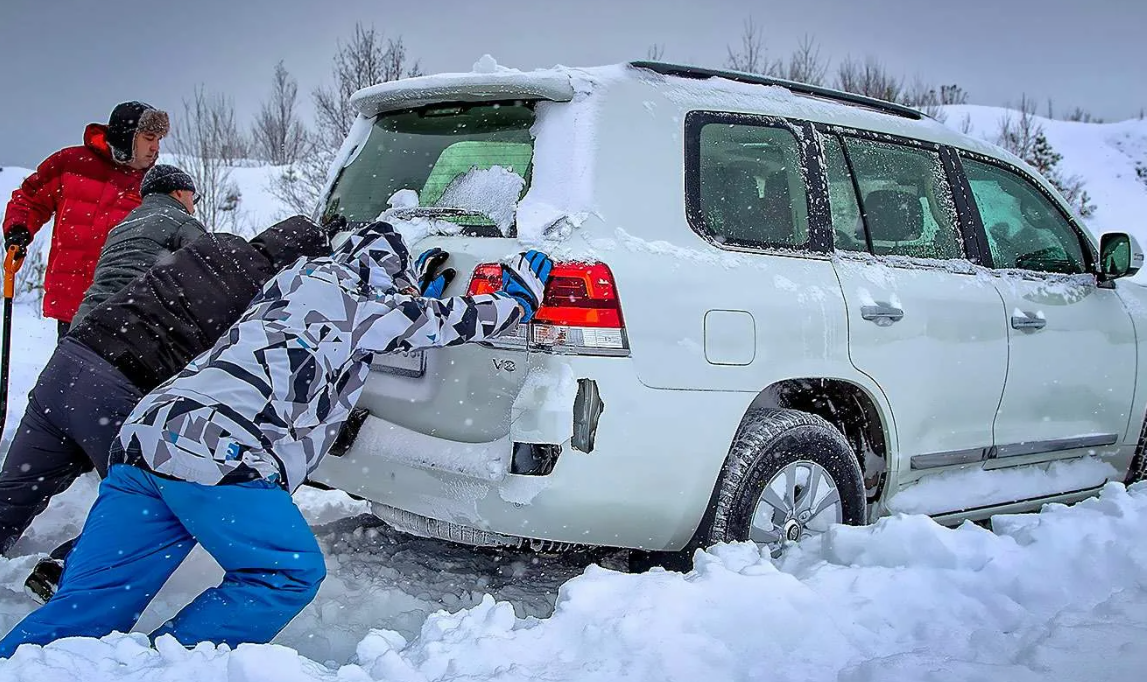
(64, 63)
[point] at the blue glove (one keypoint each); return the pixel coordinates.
(525, 281)
(432, 281)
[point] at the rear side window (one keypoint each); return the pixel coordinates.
(469, 164)
(1024, 229)
(847, 226)
(905, 200)
(752, 190)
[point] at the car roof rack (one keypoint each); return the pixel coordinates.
(695, 72)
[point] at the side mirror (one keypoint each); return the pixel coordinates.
(1119, 256)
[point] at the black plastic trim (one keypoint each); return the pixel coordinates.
(943, 459)
(1040, 447)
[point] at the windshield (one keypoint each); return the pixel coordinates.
(468, 163)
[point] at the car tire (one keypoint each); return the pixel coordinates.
(775, 447)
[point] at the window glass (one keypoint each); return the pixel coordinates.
(847, 227)
(751, 186)
(470, 161)
(1025, 230)
(906, 200)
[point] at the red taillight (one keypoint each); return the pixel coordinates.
(580, 313)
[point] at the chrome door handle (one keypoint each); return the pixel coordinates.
(881, 313)
(1028, 322)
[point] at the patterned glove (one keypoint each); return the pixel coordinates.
(432, 281)
(525, 280)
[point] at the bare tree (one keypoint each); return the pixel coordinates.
(953, 94)
(278, 134)
(1018, 135)
(924, 98)
(804, 65)
(366, 60)
(1025, 137)
(751, 57)
(208, 144)
(655, 52)
(870, 78)
(1083, 116)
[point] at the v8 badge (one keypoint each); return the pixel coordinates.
(505, 365)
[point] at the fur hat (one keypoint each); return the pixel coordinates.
(129, 118)
(164, 179)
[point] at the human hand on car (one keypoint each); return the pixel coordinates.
(525, 280)
(432, 280)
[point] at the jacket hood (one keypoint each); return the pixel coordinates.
(379, 256)
(96, 139)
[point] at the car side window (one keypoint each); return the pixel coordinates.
(752, 190)
(1025, 230)
(905, 199)
(847, 227)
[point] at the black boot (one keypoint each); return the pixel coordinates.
(44, 580)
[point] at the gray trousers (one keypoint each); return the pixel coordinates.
(74, 413)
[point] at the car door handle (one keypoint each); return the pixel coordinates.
(881, 313)
(1028, 322)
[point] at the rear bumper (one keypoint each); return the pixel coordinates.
(645, 484)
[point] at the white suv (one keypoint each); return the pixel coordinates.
(776, 307)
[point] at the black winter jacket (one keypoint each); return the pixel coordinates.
(158, 227)
(154, 326)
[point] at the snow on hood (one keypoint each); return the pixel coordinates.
(376, 248)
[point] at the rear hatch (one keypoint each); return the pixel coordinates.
(450, 174)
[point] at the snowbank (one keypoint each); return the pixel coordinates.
(1061, 595)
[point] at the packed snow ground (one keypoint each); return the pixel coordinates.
(1060, 595)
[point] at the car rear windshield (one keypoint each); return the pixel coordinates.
(472, 161)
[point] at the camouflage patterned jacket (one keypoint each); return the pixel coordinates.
(269, 399)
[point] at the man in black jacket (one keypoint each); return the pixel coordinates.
(125, 347)
(164, 223)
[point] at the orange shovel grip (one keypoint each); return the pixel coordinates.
(12, 262)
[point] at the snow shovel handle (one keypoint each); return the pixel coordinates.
(12, 262)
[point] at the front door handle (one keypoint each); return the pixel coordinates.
(1028, 323)
(882, 314)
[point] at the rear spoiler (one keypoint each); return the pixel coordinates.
(411, 93)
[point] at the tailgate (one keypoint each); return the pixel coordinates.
(462, 393)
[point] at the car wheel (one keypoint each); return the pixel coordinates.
(789, 475)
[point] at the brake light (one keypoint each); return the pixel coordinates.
(580, 313)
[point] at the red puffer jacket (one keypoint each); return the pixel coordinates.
(89, 193)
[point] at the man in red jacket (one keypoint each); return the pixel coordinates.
(90, 189)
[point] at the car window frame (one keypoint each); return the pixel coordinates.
(819, 243)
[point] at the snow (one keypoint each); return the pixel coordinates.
(968, 489)
(1059, 595)
(492, 192)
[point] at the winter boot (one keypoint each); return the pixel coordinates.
(44, 580)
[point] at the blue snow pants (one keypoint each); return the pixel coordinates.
(141, 528)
